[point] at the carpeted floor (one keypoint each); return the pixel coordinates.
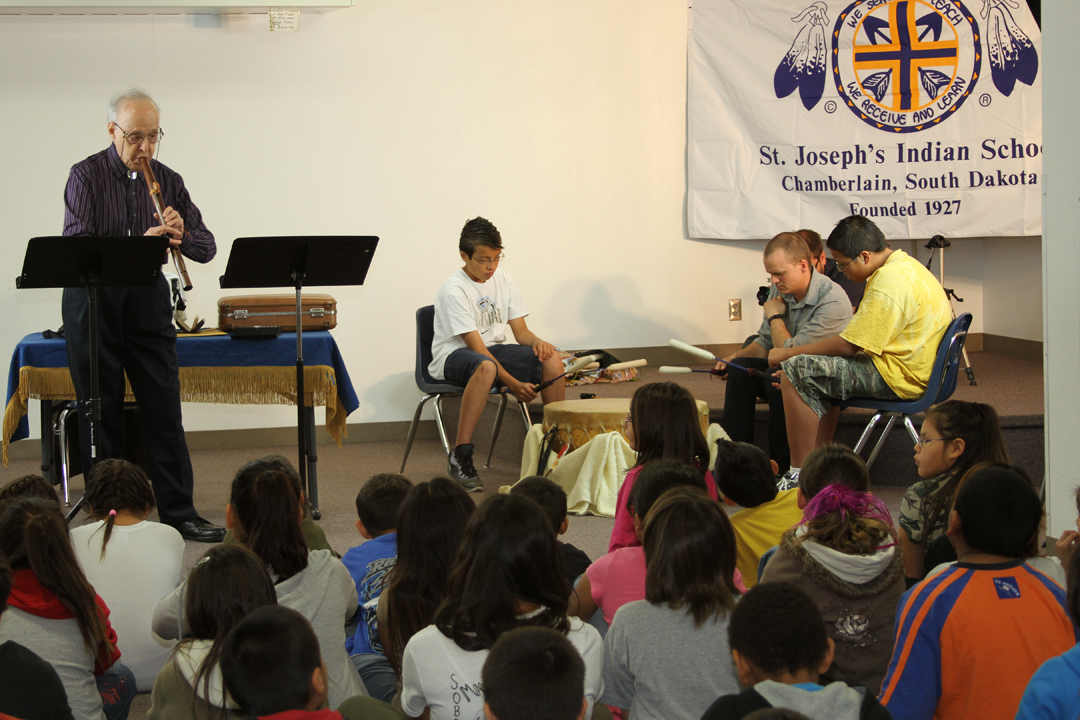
(1013, 386)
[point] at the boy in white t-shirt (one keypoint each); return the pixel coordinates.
(472, 311)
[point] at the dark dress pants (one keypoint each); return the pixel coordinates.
(740, 397)
(136, 336)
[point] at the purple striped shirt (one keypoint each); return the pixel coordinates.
(101, 198)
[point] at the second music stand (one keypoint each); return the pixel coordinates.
(296, 262)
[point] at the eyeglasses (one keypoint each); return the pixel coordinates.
(627, 421)
(926, 441)
(137, 138)
(850, 260)
(490, 261)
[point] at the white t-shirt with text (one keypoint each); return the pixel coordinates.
(463, 305)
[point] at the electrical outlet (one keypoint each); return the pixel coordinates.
(734, 310)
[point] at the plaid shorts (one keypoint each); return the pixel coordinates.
(820, 379)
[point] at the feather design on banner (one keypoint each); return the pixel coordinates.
(804, 65)
(1012, 54)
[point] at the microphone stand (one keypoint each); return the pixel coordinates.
(940, 242)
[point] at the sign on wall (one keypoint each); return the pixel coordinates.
(924, 115)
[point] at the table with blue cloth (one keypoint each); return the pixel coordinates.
(214, 368)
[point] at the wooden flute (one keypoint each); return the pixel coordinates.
(159, 203)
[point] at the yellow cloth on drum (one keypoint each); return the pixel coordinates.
(593, 474)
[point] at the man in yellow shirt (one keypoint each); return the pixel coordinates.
(887, 351)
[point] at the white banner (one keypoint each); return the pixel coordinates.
(925, 115)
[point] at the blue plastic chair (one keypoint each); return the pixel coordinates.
(940, 388)
(438, 389)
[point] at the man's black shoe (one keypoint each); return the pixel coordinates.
(201, 530)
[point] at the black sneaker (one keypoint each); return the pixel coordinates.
(461, 469)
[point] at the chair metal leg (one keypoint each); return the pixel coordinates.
(866, 433)
(412, 429)
(439, 424)
(881, 441)
(495, 430)
(524, 408)
(911, 429)
(65, 466)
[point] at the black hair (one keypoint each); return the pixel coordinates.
(778, 627)
(34, 535)
(855, 234)
(813, 242)
(379, 500)
(115, 485)
(479, 232)
(667, 426)
(776, 713)
(268, 660)
(282, 463)
(430, 526)
(508, 557)
(979, 427)
(546, 493)
(1072, 574)
(690, 555)
(999, 511)
(534, 673)
(833, 464)
(743, 473)
(224, 586)
(267, 507)
(28, 486)
(656, 478)
(5, 584)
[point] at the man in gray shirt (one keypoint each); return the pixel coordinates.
(803, 306)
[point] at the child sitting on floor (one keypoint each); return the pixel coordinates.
(844, 554)
(619, 577)
(780, 648)
(552, 500)
(663, 424)
(377, 506)
(747, 477)
(131, 561)
(534, 673)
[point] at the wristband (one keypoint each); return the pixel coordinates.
(776, 317)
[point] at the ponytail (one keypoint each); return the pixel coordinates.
(117, 485)
(268, 509)
(34, 535)
(848, 521)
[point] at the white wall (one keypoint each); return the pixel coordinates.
(562, 121)
(1061, 217)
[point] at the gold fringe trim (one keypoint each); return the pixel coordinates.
(230, 385)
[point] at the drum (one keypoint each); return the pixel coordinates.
(579, 421)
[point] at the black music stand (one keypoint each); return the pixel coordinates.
(273, 262)
(91, 263)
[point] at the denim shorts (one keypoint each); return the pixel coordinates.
(518, 360)
(820, 379)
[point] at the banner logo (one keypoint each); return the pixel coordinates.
(905, 65)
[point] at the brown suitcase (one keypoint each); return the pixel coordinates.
(243, 311)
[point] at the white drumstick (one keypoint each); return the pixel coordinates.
(580, 363)
(628, 364)
(695, 351)
(674, 370)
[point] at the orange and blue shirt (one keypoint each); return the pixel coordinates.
(969, 639)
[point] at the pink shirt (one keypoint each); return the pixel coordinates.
(623, 535)
(619, 578)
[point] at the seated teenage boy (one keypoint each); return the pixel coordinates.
(970, 638)
(472, 311)
(534, 673)
(887, 350)
(377, 506)
(780, 648)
